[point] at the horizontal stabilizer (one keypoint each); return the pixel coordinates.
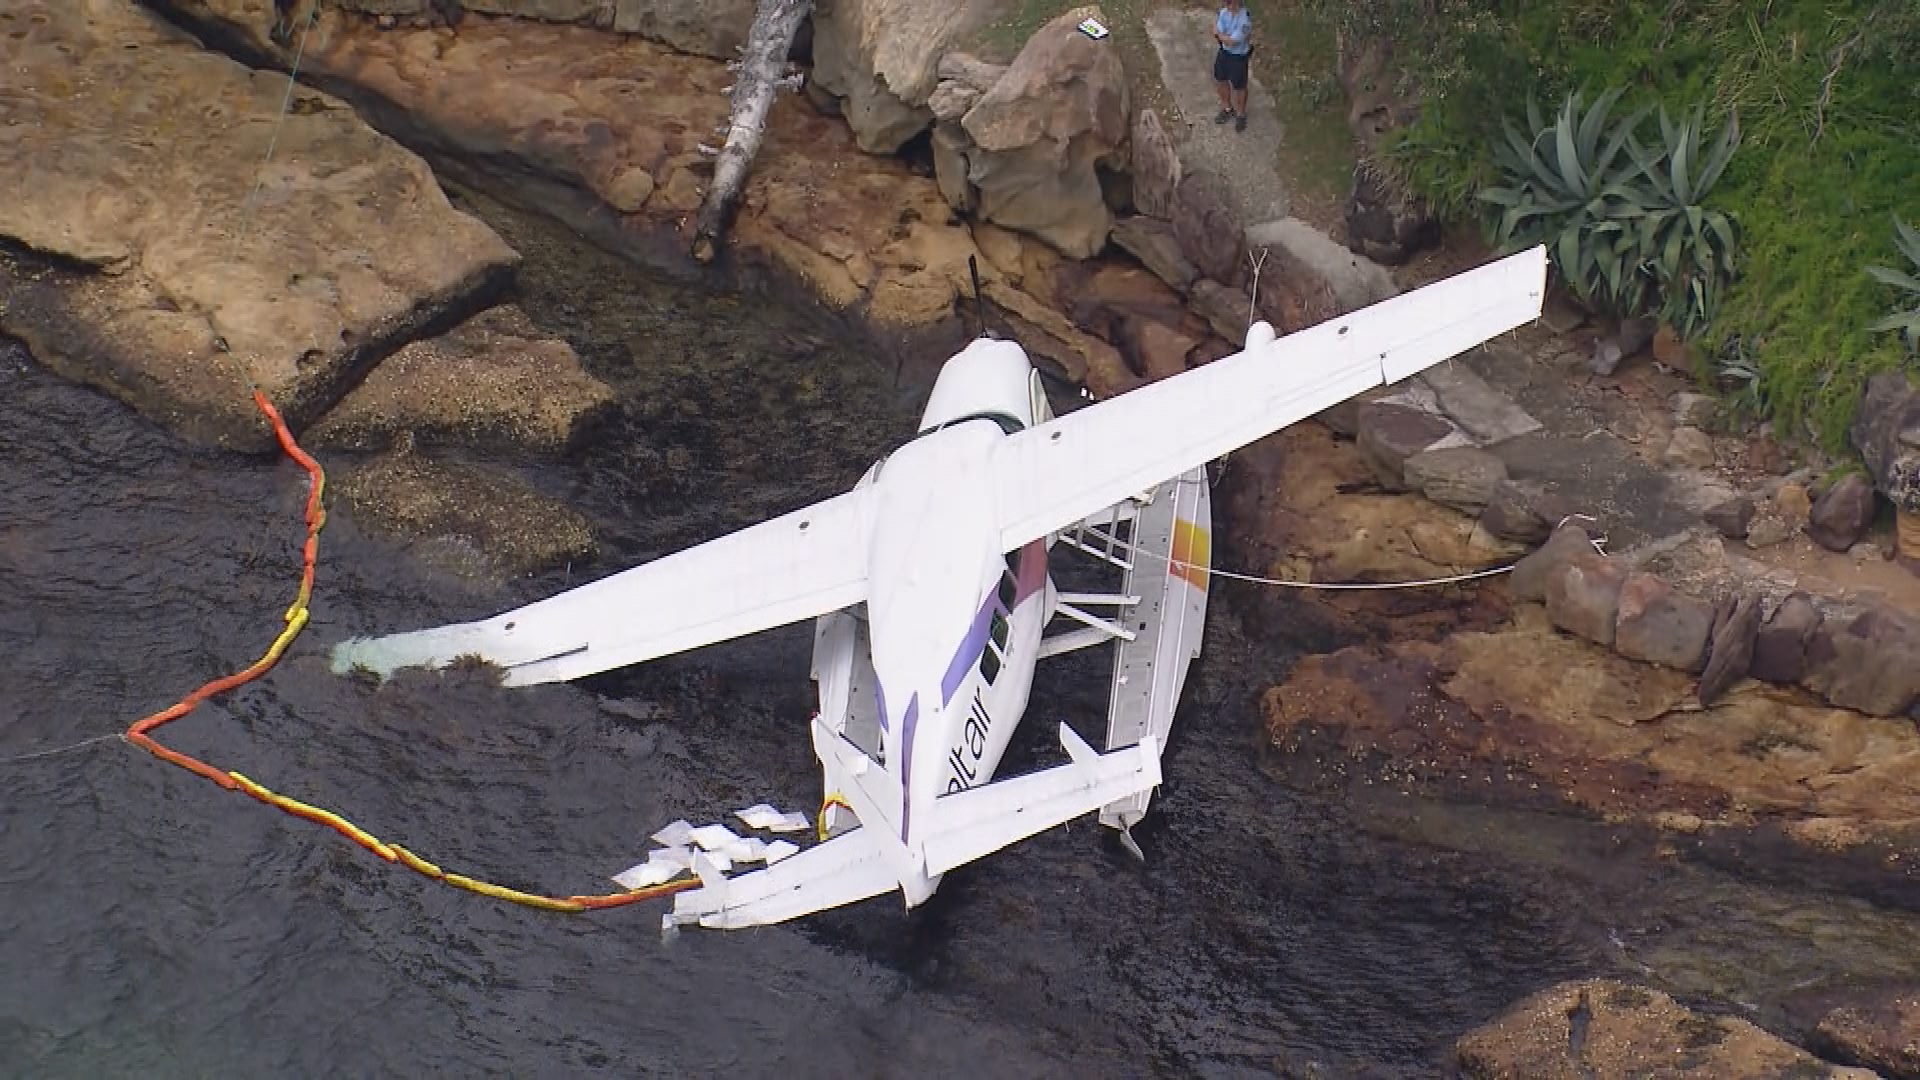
(845, 869)
(971, 824)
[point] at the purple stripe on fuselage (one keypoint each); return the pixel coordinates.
(907, 725)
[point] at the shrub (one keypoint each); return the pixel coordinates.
(1906, 313)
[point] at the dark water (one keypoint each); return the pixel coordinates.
(152, 924)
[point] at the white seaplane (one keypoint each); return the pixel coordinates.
(930, 584)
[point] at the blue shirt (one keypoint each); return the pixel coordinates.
(1238, 28)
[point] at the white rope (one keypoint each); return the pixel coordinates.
(1599, 545)
(81, 745)
(273, 139)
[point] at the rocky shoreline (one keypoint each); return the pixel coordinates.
(1708, 675)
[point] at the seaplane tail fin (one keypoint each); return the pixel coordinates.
(797, 566)
(1055, 474)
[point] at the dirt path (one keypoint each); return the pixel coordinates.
(1184, 42)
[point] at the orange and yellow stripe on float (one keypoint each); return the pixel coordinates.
(1192, 553)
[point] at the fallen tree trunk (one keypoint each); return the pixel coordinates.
(761, 76)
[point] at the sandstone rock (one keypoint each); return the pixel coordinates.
(1793, 503)
(1291, 294)
(1906, 537)
(1390, 434)
(1153, 348)
(1156, 166)
(1583, 596)
(1780, 647)
(471, 520)
(1870, 663)
(1522, 511)
(1731, 517)
(1878, 1030)
(950, 168)
(968, 71)
(1693, 410)
(1661, 626)
(1463, 477)
(1385, 222)
(563, 11)
(715, 28)
(1886, 431)
(1690, 447)
(1768, 528)
(1158, 249)
(629, 190)
(1061, 109)
(1839, 518)
(951, 101)
(175, 299)
(1671, 350)
(1472, 403)
(1318, 265)
(492, 382)
(1225, 308)
(1208, 226)
(881, 121)
(1736, 624)
(385, 7)
(1600, 1027)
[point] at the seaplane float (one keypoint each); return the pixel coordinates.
(933, 603)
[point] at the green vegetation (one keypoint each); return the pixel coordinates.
(1906, 313)
(1826, 99)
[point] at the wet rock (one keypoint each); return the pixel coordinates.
(1661, 626)
(1208, 227)
(1869, 663)
(1158, 249)
(1389, 434)
(1736, 625)
(174, 299)
(1225, 308)
(1601, 1027)
(1878, 1030)
(1886, 431)
(1463, 477)
(1156, 166)
(1583, 596)
(493, 382)
(1780, 647)
(1385, 222)
(1731, 517)
(1840, 516)
(470, 520)
(1061, 109)
(715, 28)
(1690, 447)
(1530, 575)
(1693, 410)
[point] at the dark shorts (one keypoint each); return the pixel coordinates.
(1230, 69)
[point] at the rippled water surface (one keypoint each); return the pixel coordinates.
(155, 925)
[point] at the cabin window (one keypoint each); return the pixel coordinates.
(1009, 591)
(990, 665)
(1000, 631)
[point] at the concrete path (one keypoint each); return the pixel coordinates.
(1184, 42)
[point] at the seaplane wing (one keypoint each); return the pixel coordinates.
(1057, 473)
(790, 568)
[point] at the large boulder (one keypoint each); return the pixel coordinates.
(1386, 222)
(1661, 626)
(1869, 663)
(882, 121)
(1780, 645)
(1886, 431)
(1156, 166)
(716, 28)
(1599, 1027)
(133, 155)
(1042, 131)
(1157, 247)
(1840, 516)
(1211, 234)
(1390, 434)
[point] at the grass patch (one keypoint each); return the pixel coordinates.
(1829, 104)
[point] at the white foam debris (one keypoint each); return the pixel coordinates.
(760, 816)
(794, 822)
(714, 837)
(780, 849)
(748, 849)
(674, 835)
(648, 874)
(678, 855)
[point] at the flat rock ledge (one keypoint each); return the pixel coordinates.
(492, 381)
(163, 276)
(1600, 1027)
(468, 520)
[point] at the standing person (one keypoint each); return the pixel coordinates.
(1233, 29)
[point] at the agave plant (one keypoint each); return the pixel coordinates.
(1906, 313)
(1571, 186)
(1688, 248)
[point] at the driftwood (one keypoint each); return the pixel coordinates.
(761, 75)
